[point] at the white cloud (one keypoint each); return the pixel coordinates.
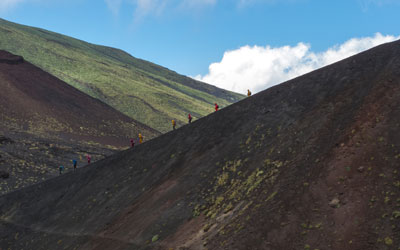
(246, 3)
(365, 4)
(197, 3)
(156, 7)
(257, 68)
(145, 7)
(114, 5)
(243, 3)
(8, 4)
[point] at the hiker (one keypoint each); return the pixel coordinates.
(216, 106)
(190, 118)
(132, 143)
(88, 158)
(173, 124)
(61, 169)
(248, 93)
(75, 163)
(140, 138)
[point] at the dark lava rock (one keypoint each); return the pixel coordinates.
(4, 140)
(4, 175)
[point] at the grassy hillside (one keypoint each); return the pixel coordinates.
(142, 90)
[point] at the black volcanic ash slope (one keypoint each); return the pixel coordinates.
(39, 101)
(44, 123)
(310, 164)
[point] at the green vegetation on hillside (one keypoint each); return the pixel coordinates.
(142, 90)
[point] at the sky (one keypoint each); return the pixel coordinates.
(233, 44)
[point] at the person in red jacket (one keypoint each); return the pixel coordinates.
(216, 106)
(190, 118)
(88, 158)
(132, 143)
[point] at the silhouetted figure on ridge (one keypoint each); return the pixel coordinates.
(248, 93)
(216, 106)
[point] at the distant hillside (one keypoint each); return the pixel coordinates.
(142, 90)
(44, 122)
(312, 163)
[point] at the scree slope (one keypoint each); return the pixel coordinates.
(312, 163)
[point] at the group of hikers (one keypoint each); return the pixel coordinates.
(190, 117)
(140, 136)
(75, 164)
(216, 107)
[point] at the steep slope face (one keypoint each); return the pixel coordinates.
(45, 122)
(309, 164)
(142, 90)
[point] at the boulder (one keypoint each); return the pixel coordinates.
(334, 202)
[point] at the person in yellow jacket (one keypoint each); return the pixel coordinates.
(173, 124)
(248, 93)
(140, 138)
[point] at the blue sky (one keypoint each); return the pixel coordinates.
(208, 39)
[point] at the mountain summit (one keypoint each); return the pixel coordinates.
(312, 163)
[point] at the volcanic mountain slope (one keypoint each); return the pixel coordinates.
(44, 123)
(142, 90)
(310, 164)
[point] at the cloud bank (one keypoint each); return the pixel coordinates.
(258, 68)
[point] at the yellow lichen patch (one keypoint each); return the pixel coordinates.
(271, 196)
(222, 179)
(219, 200)
(388, 241)
(248, 140)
